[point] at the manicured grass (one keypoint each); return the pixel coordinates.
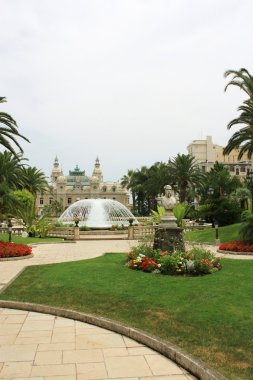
(210, 316)
(28, 240)
(226, 233)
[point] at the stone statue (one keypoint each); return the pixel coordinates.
(168, 236)
(169, 200)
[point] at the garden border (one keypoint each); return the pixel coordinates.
(12, 258)
(173, 352)
(239, 253)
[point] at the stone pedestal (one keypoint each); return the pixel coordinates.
(169, 237)
(76, 233)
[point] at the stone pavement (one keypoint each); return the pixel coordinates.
(45, 347)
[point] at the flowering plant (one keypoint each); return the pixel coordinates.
(194, 262)
(236, 246)
(14, 250)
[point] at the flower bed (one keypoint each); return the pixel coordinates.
(194, 262)
(236, 246)
(14, 250)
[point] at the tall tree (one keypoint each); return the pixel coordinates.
(9, 131)
(242, 139)
(219, 183)
(11, 169)
(185, 174)
(34, 180)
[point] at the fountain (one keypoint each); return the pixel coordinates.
(97, 213)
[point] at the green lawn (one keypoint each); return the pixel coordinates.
(28, 240)
(226, 233)
(211, 316)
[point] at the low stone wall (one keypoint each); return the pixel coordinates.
(67, 233)
(15, 230)
(140, 232)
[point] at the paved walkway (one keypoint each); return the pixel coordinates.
(44, 347)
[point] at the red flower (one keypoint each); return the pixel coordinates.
(14, 250)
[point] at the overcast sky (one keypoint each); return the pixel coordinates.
(130, 81)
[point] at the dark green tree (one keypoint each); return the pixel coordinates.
(11, 169)
(9, 131)
(185, 174)
(34, 180)
(242, 139)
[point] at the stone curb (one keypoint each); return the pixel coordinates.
(53, 242)
(235, 253)
(185, 360)
(16, 258)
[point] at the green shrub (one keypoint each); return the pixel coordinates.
(245, 214)
(172, 264)
(84, 228)
(246, 230)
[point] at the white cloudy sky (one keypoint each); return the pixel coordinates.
(130, 81)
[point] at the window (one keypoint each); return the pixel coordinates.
(237, 171)
(243, 169)
(41, 201)
(94, 187)
(114, 189)
(104, 189)
(50, 200)
(69, 201)
(203, 168)
(232, 168)
(114, 198)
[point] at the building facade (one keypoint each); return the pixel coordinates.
(206, 154)
(77, 185)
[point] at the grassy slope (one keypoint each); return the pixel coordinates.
(226, 233)
(210, 317)
(28, 240)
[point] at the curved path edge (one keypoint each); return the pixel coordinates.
(238, 253)
(187, 361)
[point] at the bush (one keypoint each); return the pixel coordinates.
(224, 210)
(246, 230)
(84, 228)
(245, 215)
(14, 250)
(194, 262)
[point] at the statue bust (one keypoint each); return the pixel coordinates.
(168, 200)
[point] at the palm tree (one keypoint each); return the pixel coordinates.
(185, 174)
(11, 169)
(242, 139)
(34, 180)
(9, 131)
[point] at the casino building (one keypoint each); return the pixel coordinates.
(77, 185)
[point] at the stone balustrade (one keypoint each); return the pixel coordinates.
(16, 230)
(140, 232)
(68, 233)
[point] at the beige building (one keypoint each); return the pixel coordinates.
(206, 153)
(76, 186)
